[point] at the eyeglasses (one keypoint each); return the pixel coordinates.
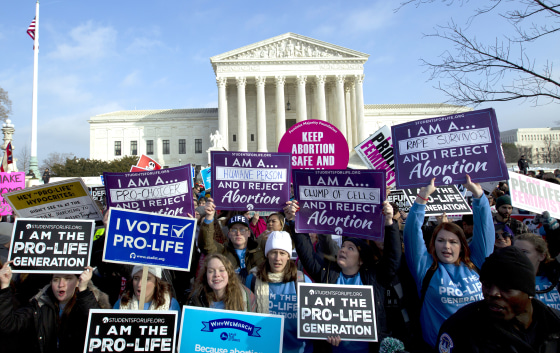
(242, 231)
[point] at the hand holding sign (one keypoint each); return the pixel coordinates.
(290, 210)
(210, 209)
(84, 279)
(475, 188)
(425, 192)
(388, 212)
(5, 275)
(334, 340)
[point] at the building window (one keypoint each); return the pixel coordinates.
(117, 148)
(234, 138)
(252, 137)
(198, 146)
(182, 146)
(150, 147)
(133, 148)
(165, 146)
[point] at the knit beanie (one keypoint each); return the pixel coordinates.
(503, 200)
(509, 268)
(156, 271)
(278, 240)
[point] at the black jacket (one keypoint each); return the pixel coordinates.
(471, 329)
(40, 318)
(379, 275)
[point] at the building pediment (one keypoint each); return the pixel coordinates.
(288, 47)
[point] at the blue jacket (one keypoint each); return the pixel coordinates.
(452, 286)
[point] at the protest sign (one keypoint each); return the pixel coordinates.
(377, 153)
(225, 331)
(68, 199)
(134, 169)
(315, 144)
(447, 148)
(135, 237)
(400, 199)
(250, 180)
(446, 199)
(206, 175)
(51, 245)
(533, 222)
(148, 163)
(97, 192)
(332, 309)
(343, 202)
(10, 182)
(534, 194)
(164, 191)
(130, 331)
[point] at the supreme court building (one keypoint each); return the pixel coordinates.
(263, 89)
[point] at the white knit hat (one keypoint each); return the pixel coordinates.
(156, 271)
(278, 240)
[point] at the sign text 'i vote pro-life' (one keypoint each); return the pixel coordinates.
(447, 148)
(343, 202)
(250, 181)
(135, 237)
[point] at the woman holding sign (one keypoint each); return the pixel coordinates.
(57, 316)
(274, 285)
(218, 287)
(446, 273)
(353, 266)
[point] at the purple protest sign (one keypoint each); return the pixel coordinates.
(250, 180)
(10, 182)
(163, 191)
(447, 148)
(343, 202)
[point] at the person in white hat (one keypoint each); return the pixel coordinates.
(274, 285)
(158, 292)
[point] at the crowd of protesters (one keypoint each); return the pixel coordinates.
(483, 283)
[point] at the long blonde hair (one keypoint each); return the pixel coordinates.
(233, 298)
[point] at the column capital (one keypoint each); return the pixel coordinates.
(241, 81)
(280, 80)
(260, 81)
(221, 81)
(340, 79)
(359, 79)
(301, 79)
(320, 79)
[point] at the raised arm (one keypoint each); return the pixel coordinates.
(206, 242)
(392, 250)
(417, 256)
(483, 230)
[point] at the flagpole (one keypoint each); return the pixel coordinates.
(33, 164)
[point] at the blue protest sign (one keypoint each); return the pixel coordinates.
(142, 238)
(206, 175)
(213, 330)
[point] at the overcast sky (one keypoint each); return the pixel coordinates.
(102, 56)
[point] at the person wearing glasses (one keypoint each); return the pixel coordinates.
(241, 249)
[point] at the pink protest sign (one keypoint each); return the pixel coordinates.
(534, 195)
(10, 182)
(315, 144)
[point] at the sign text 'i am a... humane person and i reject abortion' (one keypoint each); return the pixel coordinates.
(447, 148)
(250, 181)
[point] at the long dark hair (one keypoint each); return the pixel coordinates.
(290, 271)
(464, 255)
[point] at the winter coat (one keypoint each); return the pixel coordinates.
(41, 319)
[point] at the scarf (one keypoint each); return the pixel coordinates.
(135, 302)
(262, 291)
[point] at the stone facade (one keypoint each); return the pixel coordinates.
(540, 145)
(263, 89)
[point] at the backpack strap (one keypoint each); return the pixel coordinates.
(426, 284)
(253, 281)
(300, 276)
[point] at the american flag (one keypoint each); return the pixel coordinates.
(31, 29)
(7, 159)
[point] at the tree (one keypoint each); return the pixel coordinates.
(511, 153)
(23, 157)
(527, 151)
(5, 105)
(81, 167)
(55, 158)
(474, 72)
(550, 153)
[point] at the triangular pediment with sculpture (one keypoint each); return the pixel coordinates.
(289, 46)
